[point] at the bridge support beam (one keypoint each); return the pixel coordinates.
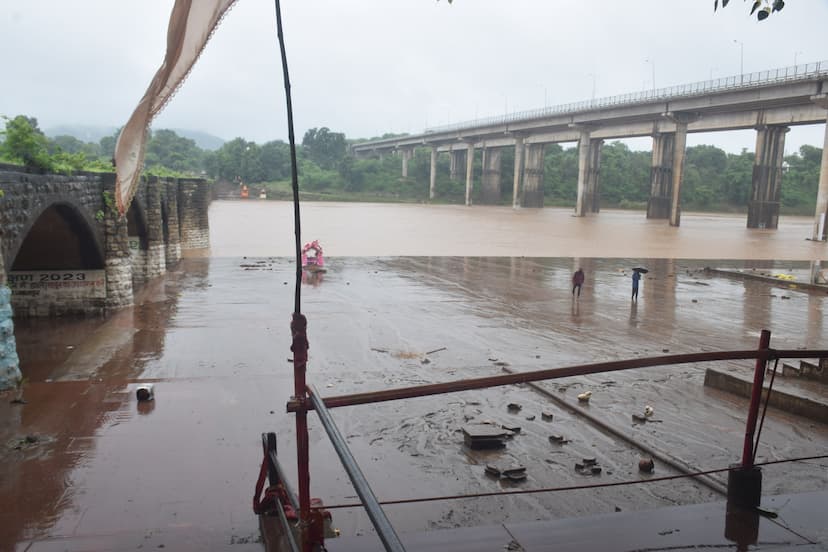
(469, 173)
(407, 154)
(589, 163)
(679, 147)
(432, 175)
(763, 207)
(533, 176)
(583, 164)
(518, 179)
(661, 176)
(456, 164)
(490, 183)
(820, 232)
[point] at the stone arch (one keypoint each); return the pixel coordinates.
(59, 234)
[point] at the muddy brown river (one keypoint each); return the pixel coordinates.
(483, 288)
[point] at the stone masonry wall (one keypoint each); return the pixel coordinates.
(193, 202)
(118, 264)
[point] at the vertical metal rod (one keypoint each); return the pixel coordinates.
(384, 528)
(755, 398)
(299, 324)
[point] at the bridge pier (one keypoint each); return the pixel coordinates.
(117, 255)
(589, 163)
(490, 184)
(533, 176)
(193, 203)
(407, 154)
(456, 164)
(469, 173)
(820, 232)
(432, 175)
(156, 261)
(661, 177)
(518, 178)
(679, 147)
(763, 207)
(171, 225)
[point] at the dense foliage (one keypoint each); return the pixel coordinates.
(713, 179)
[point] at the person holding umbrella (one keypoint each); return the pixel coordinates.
(636, 276)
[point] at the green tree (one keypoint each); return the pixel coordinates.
(324, 147)
(24, 142)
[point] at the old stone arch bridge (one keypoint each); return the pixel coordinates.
(64, 249)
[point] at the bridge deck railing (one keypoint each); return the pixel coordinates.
(802, 72)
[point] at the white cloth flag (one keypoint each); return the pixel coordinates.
(192, 22)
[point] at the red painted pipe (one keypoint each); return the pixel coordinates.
(553, 373)
(755, 399)
(298, 328)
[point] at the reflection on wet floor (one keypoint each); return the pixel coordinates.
(213, 336)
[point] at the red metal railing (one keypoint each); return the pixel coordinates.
(306, 399)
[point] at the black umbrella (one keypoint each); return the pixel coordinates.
(641, 270)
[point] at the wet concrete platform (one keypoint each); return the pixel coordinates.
(212, 335)
(800, 526)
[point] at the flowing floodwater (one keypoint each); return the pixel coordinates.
(484, 288)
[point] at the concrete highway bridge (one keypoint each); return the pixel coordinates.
(768, 101)
(64, 249)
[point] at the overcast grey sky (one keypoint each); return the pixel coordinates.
(366, 67)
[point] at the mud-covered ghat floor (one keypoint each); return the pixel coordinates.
(102, 471)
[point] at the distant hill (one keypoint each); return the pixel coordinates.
(91, 133)
(84, 133)
(202, 139)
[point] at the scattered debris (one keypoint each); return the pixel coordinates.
(501, 363)
(425, 361)
(375, 349)
(638, 418)
(546, 415)
(648, 410)
(512, 473)
(512, 428)
(514, 407)
(530, 418)
(588, 466)
(484, 436)
(585, 396)
(694, 301)
(665, 350)
(494, 471)
(646, 465)
(558, 439)
(145, 392)
(436, 350)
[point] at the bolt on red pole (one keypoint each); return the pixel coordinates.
(755, 399)
(298, 329)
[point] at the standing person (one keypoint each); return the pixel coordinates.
(636, 276)
(577, 281)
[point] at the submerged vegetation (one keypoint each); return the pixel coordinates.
(714, 180)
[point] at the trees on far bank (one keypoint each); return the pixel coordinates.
(713, 180)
